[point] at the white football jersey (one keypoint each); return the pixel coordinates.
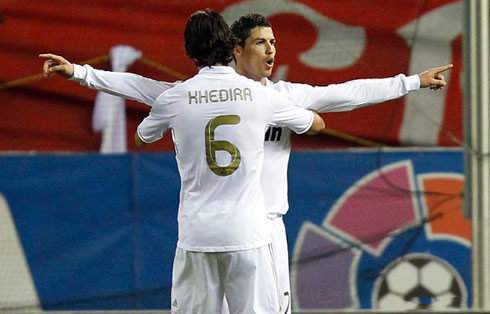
(218, 119)
(331, 98)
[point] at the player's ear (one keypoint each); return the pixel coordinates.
(237, 51)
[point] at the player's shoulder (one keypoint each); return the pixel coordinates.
(285, 86)
(245, 80)
(255, 87)
(171, 94)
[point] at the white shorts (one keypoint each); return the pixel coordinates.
(281, 256)
(200, 280)
(281, 261)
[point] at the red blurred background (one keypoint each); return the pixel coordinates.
(56, 115)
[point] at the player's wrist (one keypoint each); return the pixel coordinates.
(79, 73)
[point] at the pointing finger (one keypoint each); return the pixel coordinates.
(58, 59)
(443, 68)
(45, 55)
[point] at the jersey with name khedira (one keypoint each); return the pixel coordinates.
(218, 120)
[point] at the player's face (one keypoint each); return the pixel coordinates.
(256, 59)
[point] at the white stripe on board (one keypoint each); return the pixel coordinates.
(16, 285)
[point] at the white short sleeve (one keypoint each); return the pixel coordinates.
(298, 119)
(153, 127)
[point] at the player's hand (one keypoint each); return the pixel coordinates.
(433, 78)
(56, 64)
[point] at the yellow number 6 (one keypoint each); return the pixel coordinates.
(213, 145)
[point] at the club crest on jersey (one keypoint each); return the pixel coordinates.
(219, 95)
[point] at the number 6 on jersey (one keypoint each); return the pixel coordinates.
(213, 145)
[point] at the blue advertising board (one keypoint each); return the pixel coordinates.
(366, 229)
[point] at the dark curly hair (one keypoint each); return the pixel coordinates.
(208, 39)
(241, 27)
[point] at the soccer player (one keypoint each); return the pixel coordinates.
(218, 119)
(254, 58)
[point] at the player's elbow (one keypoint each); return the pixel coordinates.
(317, 125)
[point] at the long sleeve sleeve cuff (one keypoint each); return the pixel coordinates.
(413, 82)
(79, 73)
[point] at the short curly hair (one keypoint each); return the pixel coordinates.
(241, 27)
(208, 39)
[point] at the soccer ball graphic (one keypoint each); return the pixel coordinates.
(419, 281)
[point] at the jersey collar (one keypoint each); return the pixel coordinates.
(216, 69)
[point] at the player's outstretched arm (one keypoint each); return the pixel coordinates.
(56, 64)
(433, 77)
(121, 84)
(362, 92)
